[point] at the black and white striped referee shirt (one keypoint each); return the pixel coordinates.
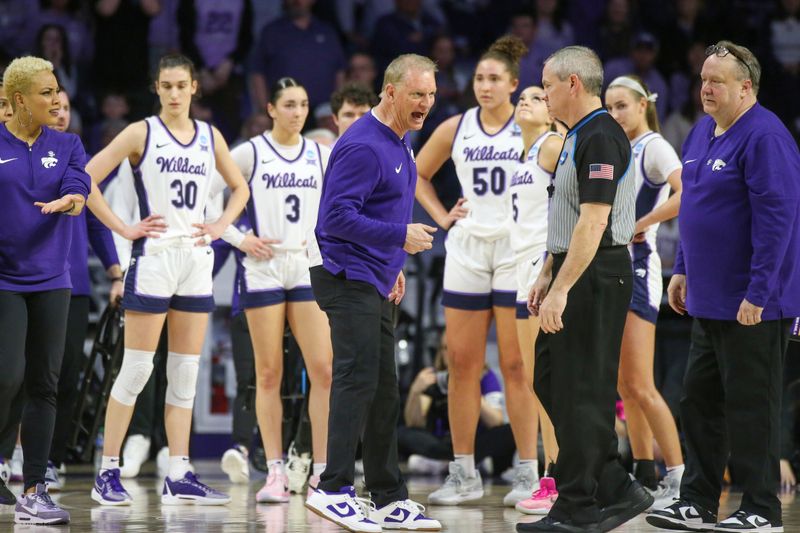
(594, 167)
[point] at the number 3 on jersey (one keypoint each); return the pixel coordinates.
(293, 201)
(496, 181)
(185, 194)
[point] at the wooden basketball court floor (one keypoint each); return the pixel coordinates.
(244, 515)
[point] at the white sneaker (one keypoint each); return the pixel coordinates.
(162, 462)
(405, 514)
(134, 454)
(51, 479)
(16, 464)
(419, 464)
(524, 484)
(344, 509)
(298, 467)
(457, 488)
(234, 463)
(669, 489)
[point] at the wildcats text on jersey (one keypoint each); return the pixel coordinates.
(288, 180)
(488, 153)
(180, 164)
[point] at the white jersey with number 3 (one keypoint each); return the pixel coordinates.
(484, 165)
(172, 180)
(285, 187)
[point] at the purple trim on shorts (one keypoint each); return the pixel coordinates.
(522, 311)
(193, 304)
(640, 300)
(302, 293)
(504, 298)
(263, 298)
(467, 301)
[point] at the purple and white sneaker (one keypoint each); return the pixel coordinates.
(188, 490)
(343, 508)
(108, 489)
(406, 515)
(37, 508)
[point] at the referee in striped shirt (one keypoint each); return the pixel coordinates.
(582, 297)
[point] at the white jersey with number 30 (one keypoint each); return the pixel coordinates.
(172, 180)
(484, 165)
(285, 187)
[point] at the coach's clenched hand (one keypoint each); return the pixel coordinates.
(418, 238)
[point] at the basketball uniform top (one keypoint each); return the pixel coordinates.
(529, 201)
(285, 187)
(172, 180)
(654, 160)
(484, 165)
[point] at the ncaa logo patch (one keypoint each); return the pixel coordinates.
(203, 143)
(563, 157)
(50, 161)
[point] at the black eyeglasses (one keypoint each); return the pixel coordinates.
(722, 51)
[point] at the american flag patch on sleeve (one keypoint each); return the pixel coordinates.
(601, 171)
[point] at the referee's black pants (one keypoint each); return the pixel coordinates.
(576, 381)
(33, 326)
(365, 401)
(730, 412)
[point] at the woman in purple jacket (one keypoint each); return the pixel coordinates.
(41, 175)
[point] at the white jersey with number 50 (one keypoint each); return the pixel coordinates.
(172, 180)
(285, 187)
(484, 165)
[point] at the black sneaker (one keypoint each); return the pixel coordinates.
(742, 520)
(6, 496)
(635, 501)
(551, 525)
(683, 515)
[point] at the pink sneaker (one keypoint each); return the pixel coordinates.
(541, 500)
(313, 481)
(275, 490)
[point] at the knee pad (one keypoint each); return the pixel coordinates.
(182, 379)
(137, 365)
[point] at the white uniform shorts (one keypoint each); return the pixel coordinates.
(478, 274)
(175, 278)
(284, 278)
(528, 268)
(648, 285)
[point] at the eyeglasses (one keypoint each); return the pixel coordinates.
(722, 51)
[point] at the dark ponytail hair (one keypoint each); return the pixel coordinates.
(508, 50)
(281, 85)
(176, 61)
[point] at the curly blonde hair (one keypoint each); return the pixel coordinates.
(19, 74)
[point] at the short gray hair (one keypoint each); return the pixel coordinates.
(582, 62)
(401, 65)
(747, 64)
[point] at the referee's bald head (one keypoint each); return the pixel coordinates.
(580, 61)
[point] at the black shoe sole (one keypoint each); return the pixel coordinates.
(626, 514)
(525, 527)
(668, 523)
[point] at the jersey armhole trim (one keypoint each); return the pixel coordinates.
(146, 145)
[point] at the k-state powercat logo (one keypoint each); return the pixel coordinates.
(50, 161)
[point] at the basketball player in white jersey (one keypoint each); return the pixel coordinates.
(173, 160)
(657, 169)
(285, 172)
(479, 277)
(529, 199)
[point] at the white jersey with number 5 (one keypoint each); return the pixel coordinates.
(484, 165)
(172, 180)
(285, 187)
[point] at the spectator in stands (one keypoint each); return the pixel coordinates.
(361, 69)
(72, 16)
(523, 25)
(689, 26)
(52, 44)
(358, 30)
(680, 81)
(407, 30)
(300, 46)
(451, 79)
(681, 121)
(163, 32)
(784, 45)
(552, 30)
(642, 62)
(19, 20)
(616, 31)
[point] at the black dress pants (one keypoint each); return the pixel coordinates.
(576, 381)
(365, 400)
(731, 410)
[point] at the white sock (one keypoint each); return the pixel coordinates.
(676, 471)
(533, 464)
(178, 466)
(277, 465)
(109, 462)
(467, 462)
(318, 469)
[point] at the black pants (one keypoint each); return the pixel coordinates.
(148, 414)
(731, 410)
(244, 415)
(497, 443)
(71, 365)
(32, 330)
(365, 400)
(576, 381)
